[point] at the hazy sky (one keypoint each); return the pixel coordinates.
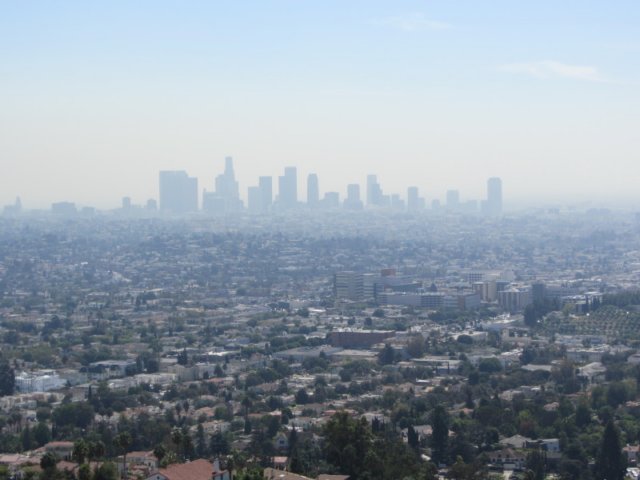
(97, 96)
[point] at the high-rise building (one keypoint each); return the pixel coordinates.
(178, 192)
(493, 205)
(414, 202)
(288, 189)
(64, 208)
(266, 192)
(313, 190)
(374, 192)
(353, 202)
(227, 188)
(331, 200)
(453, 199)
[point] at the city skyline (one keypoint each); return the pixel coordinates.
(98, 98)
(262, 198)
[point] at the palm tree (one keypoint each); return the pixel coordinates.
(123, 441)
(80, 451)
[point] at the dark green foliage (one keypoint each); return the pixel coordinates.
(387, 355)
(439, 435)
(536, 464)
(7, 379)
(610, 463)
(79, 414)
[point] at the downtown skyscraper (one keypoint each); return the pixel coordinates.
(178, 192)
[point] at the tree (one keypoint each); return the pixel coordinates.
(106, 471)
(48, 461)
(183, 357)
(302, 397)
(27, 439)
(123, 442)
(41, 434)
(80, 451)
(347, 443)
(7, 379)
(583, 414)
(415, 346)
(160, 452)
(84, 472)
(439, 434)
(536, 464)
(219, 445)
(610, 463)
(412, 438)
(176, 438)
(201, 443)
(97, 450)
(387, 355)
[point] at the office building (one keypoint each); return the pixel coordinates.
(178, 192)
(353, 202)
(266, 192)
(331, 200)
(313, 190)
(414, 202)
(453, 199)
(227, 189)
(288, 189)
(374, 191)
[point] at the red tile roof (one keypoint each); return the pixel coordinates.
(197, 470)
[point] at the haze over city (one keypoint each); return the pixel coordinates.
(97, 98)
(319, 240)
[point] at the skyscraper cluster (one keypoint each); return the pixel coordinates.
(179, 194)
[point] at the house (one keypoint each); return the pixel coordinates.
(273, 474)
(516, 441)
(592, 373)
(281, 442)
(145, 462)
(62, 450)
(508, 458)
(200, 469)
(633, 453)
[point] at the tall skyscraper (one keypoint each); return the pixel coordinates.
(288, 189)
(313, 190)
(227, 187)
(414, 202)
(260, 197)
(374, 192)
(493, 205)
(353, 201)
(178, 192)
(266, 192)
